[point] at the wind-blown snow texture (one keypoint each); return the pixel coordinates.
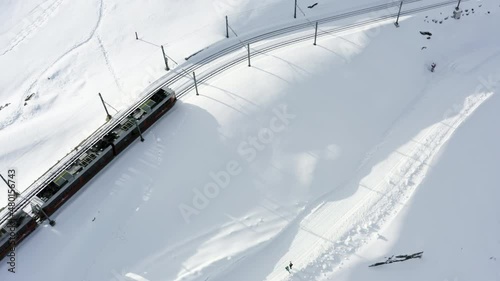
(308, 156)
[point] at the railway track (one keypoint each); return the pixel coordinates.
(332, 31)
(189, 67)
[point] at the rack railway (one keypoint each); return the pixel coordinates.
(80, 171)
(77, 168)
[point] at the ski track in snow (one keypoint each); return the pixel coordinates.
(355, 224)
(18, 113)
(310, 211)
(108, 63)
(33, 26)
(403, 178)
(391, 128)
(370, 212)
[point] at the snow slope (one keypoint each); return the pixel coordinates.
(300, 157)
(59, 54)
(453, 216)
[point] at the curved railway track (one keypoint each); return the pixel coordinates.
(332, 31)
(189, 67)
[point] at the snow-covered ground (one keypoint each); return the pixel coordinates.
(311, 155)
(59, 54)
(453, 216)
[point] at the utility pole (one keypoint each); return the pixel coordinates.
(136, 37)
(195, 84)
(315, 33)
(295, 10)
(227, 28)
(51, 221)
(397, 20)
(457, 12)
(39, 210)
(165, 58)
(11, 187)
(138, 129)
(108, 116)
(248, 48)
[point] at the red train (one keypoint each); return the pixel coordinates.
(81, 171)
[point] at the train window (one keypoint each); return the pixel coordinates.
(138, 113)
(169, 93)
(2, 232)
(75, 169)
(148, 106)
(127, 125)
(158, 96)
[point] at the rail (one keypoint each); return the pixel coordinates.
(173, 77)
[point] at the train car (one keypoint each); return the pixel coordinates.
(99, 155)
(15, 230)
(144, 116)
(89, 164)
(160, 103)
(74, 178)
(125, 133)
